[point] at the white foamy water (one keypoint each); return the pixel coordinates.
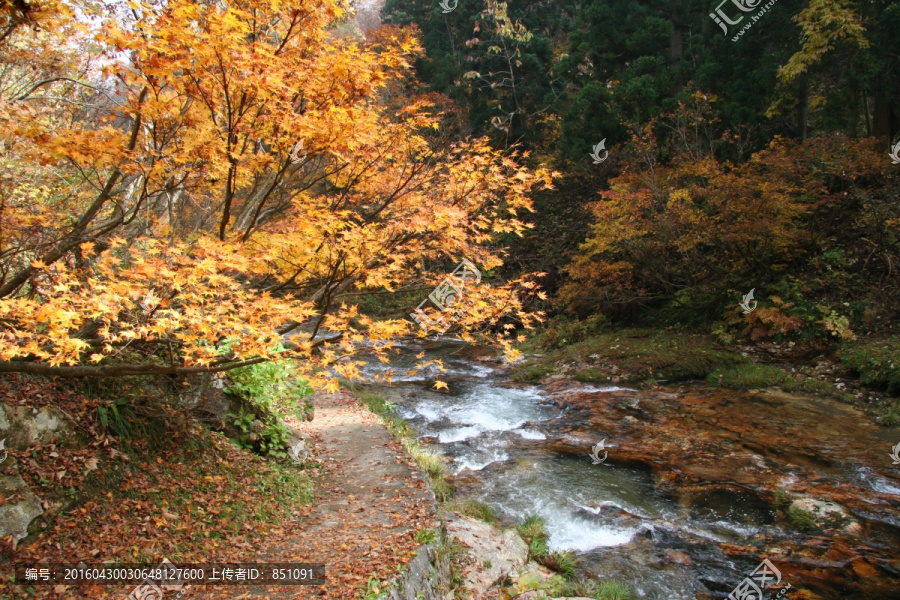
(530, 434)
(458, 434)
(578, 535)
(478, 461)
(481, 410)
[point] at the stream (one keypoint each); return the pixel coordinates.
(671, 512)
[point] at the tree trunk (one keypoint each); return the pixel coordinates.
(676, 40)
(885, 122)
(803, 107)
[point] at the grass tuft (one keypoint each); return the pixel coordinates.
(801, 520)
(584, 588)
(475, 509)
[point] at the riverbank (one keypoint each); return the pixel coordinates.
(860, 372)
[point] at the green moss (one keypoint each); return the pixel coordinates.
(532, 372)
(889, 414)
(591, 375)
(562, 332)
(633, 355)
(751, 375)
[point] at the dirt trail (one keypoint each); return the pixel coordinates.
(369, 505)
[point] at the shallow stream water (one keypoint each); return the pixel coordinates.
(495, 435)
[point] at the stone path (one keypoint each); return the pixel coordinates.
(369, 505)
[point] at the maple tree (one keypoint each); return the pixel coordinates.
(189, 182)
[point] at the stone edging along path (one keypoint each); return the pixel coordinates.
(369, 505)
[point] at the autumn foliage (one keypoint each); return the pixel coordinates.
(185, 183)
(810, 225)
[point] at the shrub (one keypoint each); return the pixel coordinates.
(270, 390)
(272, 386)
(875, 362)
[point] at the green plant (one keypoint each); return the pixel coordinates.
(534, 531)
(272, 386)
(610, 590)
(875, 362)
(564, 563)
(801, 520)
(782, 500)
(267, 437)
(373, 589)
(117, 417)
(450, 551)
(424, 536)
(890, 414)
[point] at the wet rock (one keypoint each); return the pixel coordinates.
(731, 456)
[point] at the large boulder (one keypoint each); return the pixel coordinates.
(16, 514)
(21, 426)
(495, 558)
